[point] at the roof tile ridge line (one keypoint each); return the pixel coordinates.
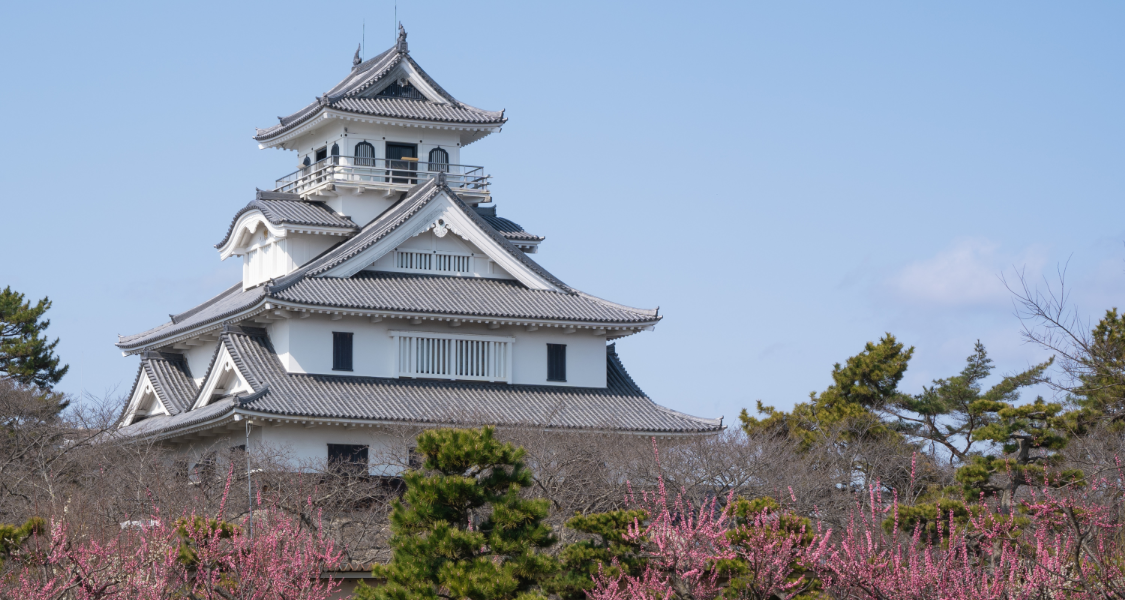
(360, 72)
(210, 367)
(615, 363)
(149, 331)
(370, 79)
(437, 87)
(257, 289)
(504, 242)
(255, 203)
(136, 382)
(206, 303)
(157, 385)
(395, 221)
(240, 360)
(645, 311)
(174, 366)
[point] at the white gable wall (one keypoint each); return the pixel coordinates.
(305, 346)
(428, 242)
(198, 359)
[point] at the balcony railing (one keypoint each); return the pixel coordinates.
(381, 173)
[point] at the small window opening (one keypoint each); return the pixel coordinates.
(350, 459)
(556, 362)
(439, 160)
(335, 149)
(308, 161)
(364, 155)
(321, 154)
(341, 351)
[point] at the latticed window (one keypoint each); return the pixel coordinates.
(341, 351)
(453, 356)
(556, 362)
(439, 160)
(398, 90)
(364, 155)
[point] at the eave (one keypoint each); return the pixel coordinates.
(333, 113)
(267, 311)
(237, 418)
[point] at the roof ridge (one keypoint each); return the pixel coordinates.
(419, 194)
(646, 311)
(196, 309)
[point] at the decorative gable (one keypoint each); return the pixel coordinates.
(401, 89)
(144, 402)
(224, 379)
(444, 216)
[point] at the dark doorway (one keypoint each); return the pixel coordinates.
(402, 159)
(348, 458)
(321, 154)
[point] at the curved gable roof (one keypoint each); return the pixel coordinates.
(289, 209)
(349, 95)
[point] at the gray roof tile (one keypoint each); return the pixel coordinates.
(511, 230)
(348, 96)
(375, 290)
(280, 208)
(621, 406)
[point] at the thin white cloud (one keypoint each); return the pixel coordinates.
(965, 274)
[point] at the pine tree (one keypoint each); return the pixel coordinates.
(948, 414)
(463, 529)
(1100, 395)
(865, 384)
(25, 354)
(608, 552)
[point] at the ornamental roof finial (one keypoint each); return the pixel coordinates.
(401, 43)
(357, 59)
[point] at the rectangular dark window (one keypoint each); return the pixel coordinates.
(556, 362)
(348, 458)
(341, 351)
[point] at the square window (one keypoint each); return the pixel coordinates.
(556, 362)
(348, 458)
(341, 351)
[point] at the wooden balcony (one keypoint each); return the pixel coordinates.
(337, 173)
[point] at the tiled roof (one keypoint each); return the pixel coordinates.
(377, 290)
(511, 230)
(233, 300)
(423, 110)
(621, 406)
(162, 423)
(374, 291)
(171, 380)
(280, 208)
(352, 95)
(416, 198)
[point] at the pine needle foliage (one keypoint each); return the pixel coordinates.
(13, 536)
(463, 529)
(26, 355)
(608, 552)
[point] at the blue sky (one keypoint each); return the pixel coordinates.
(786, 180)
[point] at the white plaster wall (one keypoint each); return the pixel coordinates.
(362, 208)
(308, 447)
(349, 133)
(278, 333)
(198, 359)
(303, 247)
(428, 242)
(308, 348)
